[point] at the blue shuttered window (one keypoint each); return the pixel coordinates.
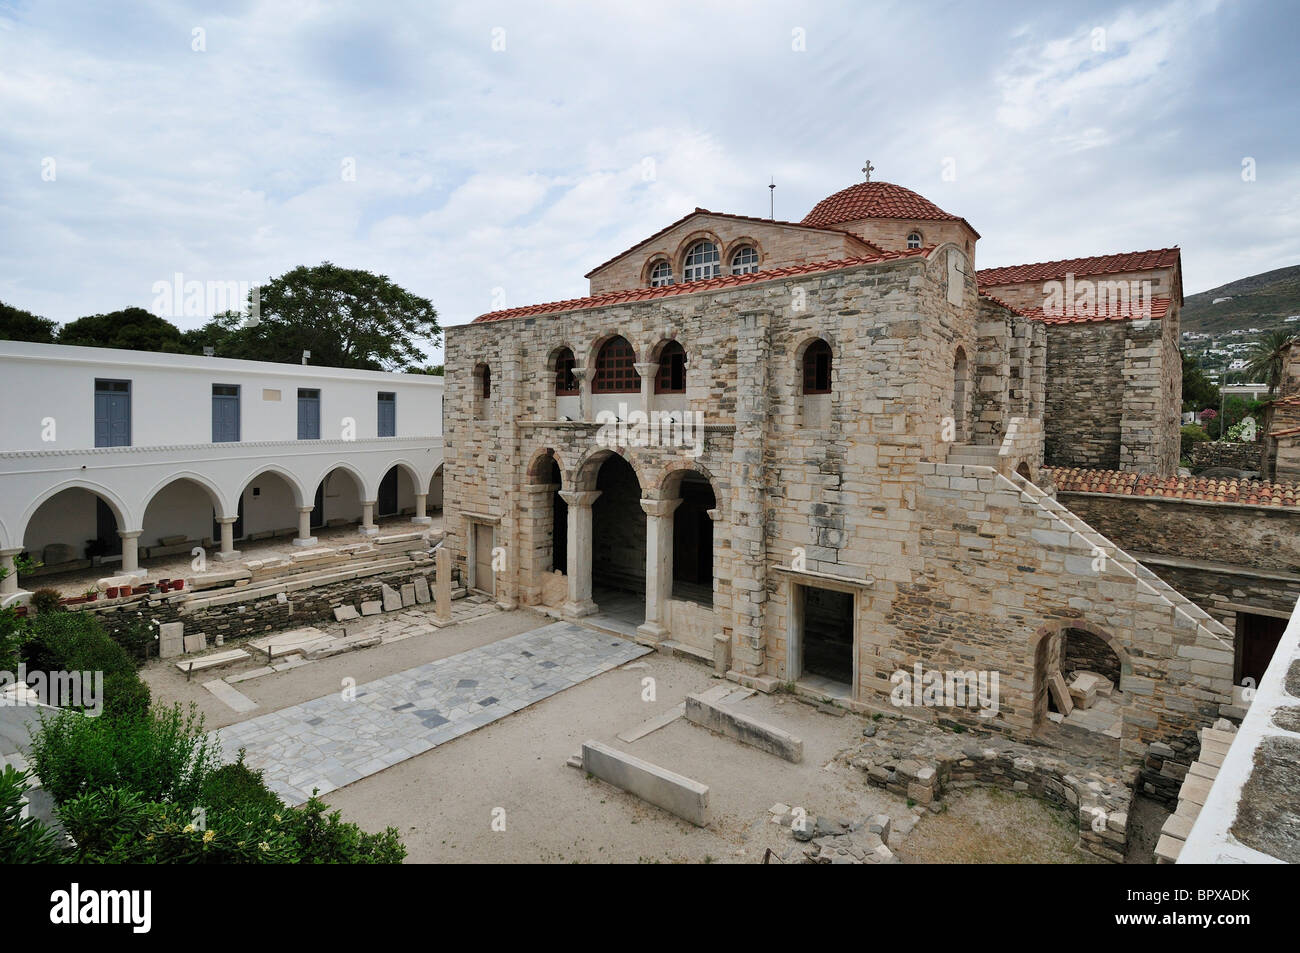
(308, 414)
(225, 413)
(387, 414)
(112, 413)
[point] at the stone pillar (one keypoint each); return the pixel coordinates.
(9, 584)
(228, 551)
(421, 510)
(305, 538)
(442, 586)
(579, 554)
(368, 527)
(131, 553)
(648, 371)
(584, 394)
(658, 567)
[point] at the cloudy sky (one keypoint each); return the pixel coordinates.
(487, 155)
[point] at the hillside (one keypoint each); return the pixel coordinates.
(1260, 301)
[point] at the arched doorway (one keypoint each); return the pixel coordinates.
(177, 517)
(269, 506)
(617, 559)
(337, 501)
(73, 529)
(1079, 682)
(396, 494)
(693, 569)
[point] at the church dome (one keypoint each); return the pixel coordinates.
(874, 200)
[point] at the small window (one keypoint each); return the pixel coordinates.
(308, 413)
(661, 274)
(566, 384)
(485, 390)
(914, 240)
(817, 368)
(387, 414)
(702, 262)
(745, 260)
(671, 378)
(481, 393)
(615, 369)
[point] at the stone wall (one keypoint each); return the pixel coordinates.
(779, 245)
(1085, 373)
(1238, 456)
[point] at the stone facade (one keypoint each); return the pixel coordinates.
(903, 488)
(1224, 453)
(779, 244)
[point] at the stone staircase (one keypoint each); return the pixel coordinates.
(1215, 743)
(974, 455)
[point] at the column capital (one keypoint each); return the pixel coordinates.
(660, 507)
(646, 368)
(224, 520)
(301, 509)
(579, 373)
(11, 553)
(130, 533)
(579, 497)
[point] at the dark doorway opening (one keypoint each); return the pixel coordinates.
(106, 538)
(387, 502)
(693, 541)
(1257, 639)
(318, 506)
(559, 519)
(827, 645)
(237, 530)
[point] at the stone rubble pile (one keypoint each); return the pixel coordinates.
(836, 840)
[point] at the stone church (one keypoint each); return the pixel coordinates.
(811, 453)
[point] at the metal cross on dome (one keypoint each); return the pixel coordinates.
(868, 169)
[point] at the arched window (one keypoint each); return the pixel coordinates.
(615, 370)
(702, 261)
(671, 378)
(913, 239)
(485, 390)
(661, 274)
(566, 385)
(482, 391)
(817, 368)
(744, 261)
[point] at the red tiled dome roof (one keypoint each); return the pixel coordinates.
(874, 200)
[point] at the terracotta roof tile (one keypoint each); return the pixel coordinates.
(1120, 483)
(694, 287)
(1001, 303)
(1096, 265)
(876, 200)
(1288, 432)
(1159, 308)
(741, 218)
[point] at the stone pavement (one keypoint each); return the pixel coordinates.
(330, 742)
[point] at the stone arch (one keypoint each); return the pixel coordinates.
(121, 512)
(4, 536)
(1045, 654)
(648, 267)
(539, 460)
(364, 486)
(684, 246)
(294, 484)
(664, 482)
(735, 244)
(961, 392)
(583, 476)
(219, 502)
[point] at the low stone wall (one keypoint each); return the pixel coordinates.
(268, 612)
(921, 762)
(1238, 456)
(1165, 767)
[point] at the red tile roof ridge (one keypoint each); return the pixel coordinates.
(1159, 308)
(1123, 483)
(692, 287)
(743, 218)
(998, 301)
(1086, 265)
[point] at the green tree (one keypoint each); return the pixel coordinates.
(1264, 360)
(133, 329)
(19, 325)
(345, 317)
(1198, 390)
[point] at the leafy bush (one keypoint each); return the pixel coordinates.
(13, 632)
(237, 786)
(46, 600)
(23, 840)
(1191, 434)
(135, 635)
(162, 756)
(77, 642)
(325, 839)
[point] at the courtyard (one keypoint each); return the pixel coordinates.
(417, 748)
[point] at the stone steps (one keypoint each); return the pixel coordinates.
(1196, 788)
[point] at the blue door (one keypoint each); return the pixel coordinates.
(308, 414)
(112, 413)
(225, 413)
(387, 414)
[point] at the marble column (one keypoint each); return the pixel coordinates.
(228, 551)
(658, 567)
(648, 370)
(421, 510)
(584, 394)
(368, 527)
(579, 554)
(131, 553)
(305, 538)
(8, 561)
